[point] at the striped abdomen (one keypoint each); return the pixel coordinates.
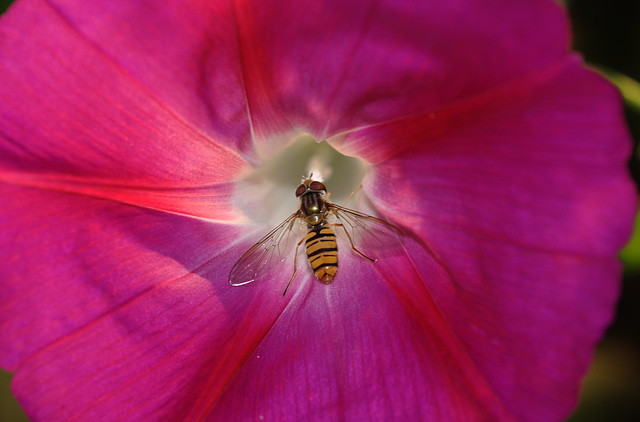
(322, 251)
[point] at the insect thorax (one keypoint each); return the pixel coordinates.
(312, 206)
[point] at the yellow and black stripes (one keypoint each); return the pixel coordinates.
(322, 251)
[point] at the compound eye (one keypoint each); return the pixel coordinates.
(301, 189)
(317, 186)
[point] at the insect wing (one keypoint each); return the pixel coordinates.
(265, 255)
(368, 234)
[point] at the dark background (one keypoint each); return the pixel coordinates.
(607, 34)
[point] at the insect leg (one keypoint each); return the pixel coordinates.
(352, 245)
(295, 266)
(352, 193)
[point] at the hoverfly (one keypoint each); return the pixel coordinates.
(323, 220)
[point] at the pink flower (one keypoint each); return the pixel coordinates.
(129, 131)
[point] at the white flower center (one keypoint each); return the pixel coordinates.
(267, 194)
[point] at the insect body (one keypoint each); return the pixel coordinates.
(322, 247)
(322, 250)
(322, 220)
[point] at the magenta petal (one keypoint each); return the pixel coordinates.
(524, 201)
(549, 156)
(120, 142)
(332, 66)
(183, 55)
(165, 355)
(372, 346)
(68, 259)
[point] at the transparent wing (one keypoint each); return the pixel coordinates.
(370, 235)
(265, 255)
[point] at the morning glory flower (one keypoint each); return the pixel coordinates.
(145, 146)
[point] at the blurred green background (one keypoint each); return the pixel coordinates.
(607, 33)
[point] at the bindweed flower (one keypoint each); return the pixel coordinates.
(144, 146)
